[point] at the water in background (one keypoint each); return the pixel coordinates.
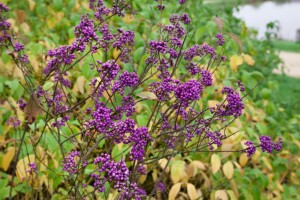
(286, 13)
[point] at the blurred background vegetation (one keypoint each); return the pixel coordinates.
(272, 109)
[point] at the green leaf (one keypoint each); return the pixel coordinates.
(142, 120)
(3, 183)
(4, 193)
(120, 151)
(13, 85)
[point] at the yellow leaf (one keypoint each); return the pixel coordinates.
(243, 159)
(198, 164)
(255, 156)
(192, 192)
(213, 103)
(228, 169)
(80, 84)
(215, 163)
(234, 188)
(177, 170)
(128, 18)
(59, 16)
(191, 170)
(174, 191)
(22, 168)
(235, 61)
(221, 195)
(147, 95)
(8, 157)
(163, 163)
(267, 163)
(248, 59)
(231, 195)
(207, 182)
(226, 148)
(31, 4)
(13, 22)
(200, 194)
(116, 53)
(154, 175)
(25, 27)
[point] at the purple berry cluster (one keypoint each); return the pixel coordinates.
(70, 162)
(139, 138)
(126, 79)
(250, 148)
(116, 173)
(220, 40)
(234, 106)
(188, 91)
(206, 78)
(177, 120)
(266, 144)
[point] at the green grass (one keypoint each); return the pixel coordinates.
(288, 94)
(283, 45)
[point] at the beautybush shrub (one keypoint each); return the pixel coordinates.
(172, 73)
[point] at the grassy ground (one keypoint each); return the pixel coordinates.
(287, 45)
(288, 94)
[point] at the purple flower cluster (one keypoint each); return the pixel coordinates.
(206, 78)
(100, 10)
(3, 8)
(184, 18)
(60, 122)
(126, 79)
(116, 173)
(18, 47)
(119, 129)
(106, 37)
(164, 88)
(32, 168)
(241, 86)
(220, 40)
(124, 38)
(108, 72)
(192, 52)
(102, 118)
(188, 91)
(40, 92)
(128, 105)
(158, 46)
(85, 30)
(250, 148)
(139, 139)
(14, 122)
(57, 102)
(268, 145)
(133, 191)
(70, 162)
(193, 68)
(234, 106)
(182, 1)
(4, 24)
(22, 104)
(214, 138)
(209, 50)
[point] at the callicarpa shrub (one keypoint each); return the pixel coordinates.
(171, 75)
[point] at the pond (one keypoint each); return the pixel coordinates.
(286, 13)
